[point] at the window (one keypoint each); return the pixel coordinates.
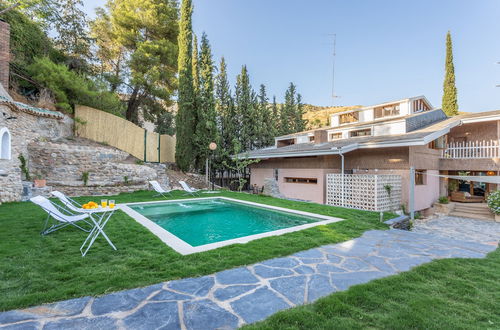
(386, 111)
(301, 180)
(335, 136)
(311, 138)
(420, 105)
(4, 143)
(439, 143)
(361, 132)
(347, 118)
(276, 174)
(420, 177)
(284, 143)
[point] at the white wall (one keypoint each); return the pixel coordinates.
(302, 139)
(389, 128)
(404, 108)
(366, 115)
(334, 120)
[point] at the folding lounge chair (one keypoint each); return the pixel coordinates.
(58, 213)
(71, 204)
(188, 189)
(156, 186)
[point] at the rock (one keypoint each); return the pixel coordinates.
(271, 188)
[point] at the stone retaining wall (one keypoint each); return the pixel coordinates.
(62, 164)
(25, 128)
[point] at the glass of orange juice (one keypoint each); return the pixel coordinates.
(111, 203)
(104, 202)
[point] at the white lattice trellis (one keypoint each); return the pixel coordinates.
(364, 191)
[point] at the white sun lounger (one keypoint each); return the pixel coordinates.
(71, 204)
(98, 220)
(188, 189)
(159, 189)
(58, 213)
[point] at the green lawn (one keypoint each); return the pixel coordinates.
(36, 269)
(444, 294)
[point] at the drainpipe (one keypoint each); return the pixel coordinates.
(411, 202)
(342, 171)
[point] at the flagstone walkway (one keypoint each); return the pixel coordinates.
(234, 297)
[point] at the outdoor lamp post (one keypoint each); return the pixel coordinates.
(212, 146)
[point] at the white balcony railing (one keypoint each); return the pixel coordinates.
(472, 150)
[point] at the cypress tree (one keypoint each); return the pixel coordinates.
(186, 115)
(195, 65)
(206, 128)
(450, 103)
(245, 101)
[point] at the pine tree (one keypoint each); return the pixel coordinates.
(300, 123)
(245, 101)
(206, 128)
(186, 115)
(276, 120)
(226, 116)
(224, 106)
(288, 111)
(450, 103)
(266, 126)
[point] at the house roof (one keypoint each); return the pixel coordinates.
(22, 107)
(359, 124)
(418, 137)
(477, 115)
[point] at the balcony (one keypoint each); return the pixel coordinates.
(472, 150)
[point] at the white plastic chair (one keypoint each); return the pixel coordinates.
(188, 189)
(159, 189)
(57, 213)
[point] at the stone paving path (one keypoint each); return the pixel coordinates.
(234, 297)
(482, 231)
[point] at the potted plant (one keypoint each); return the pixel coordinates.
(494, 204)
(39, 182)
(452, 186)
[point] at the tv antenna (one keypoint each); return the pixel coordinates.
(334, 96)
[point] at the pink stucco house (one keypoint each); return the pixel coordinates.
(386, 138)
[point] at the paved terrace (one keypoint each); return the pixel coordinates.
(234, 297)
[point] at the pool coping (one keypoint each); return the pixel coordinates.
(184, 248)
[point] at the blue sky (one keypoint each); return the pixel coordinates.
(386, 50)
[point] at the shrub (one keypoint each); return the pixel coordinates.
(443, 200)
(24, 167)
(85, 178)
(494, 202)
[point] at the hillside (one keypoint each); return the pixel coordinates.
(318, 116)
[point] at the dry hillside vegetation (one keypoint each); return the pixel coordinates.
(318, 116)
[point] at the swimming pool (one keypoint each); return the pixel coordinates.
(201, 224)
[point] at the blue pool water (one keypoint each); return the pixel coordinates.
(199, 222)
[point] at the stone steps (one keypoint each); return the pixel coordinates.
(473, 211)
